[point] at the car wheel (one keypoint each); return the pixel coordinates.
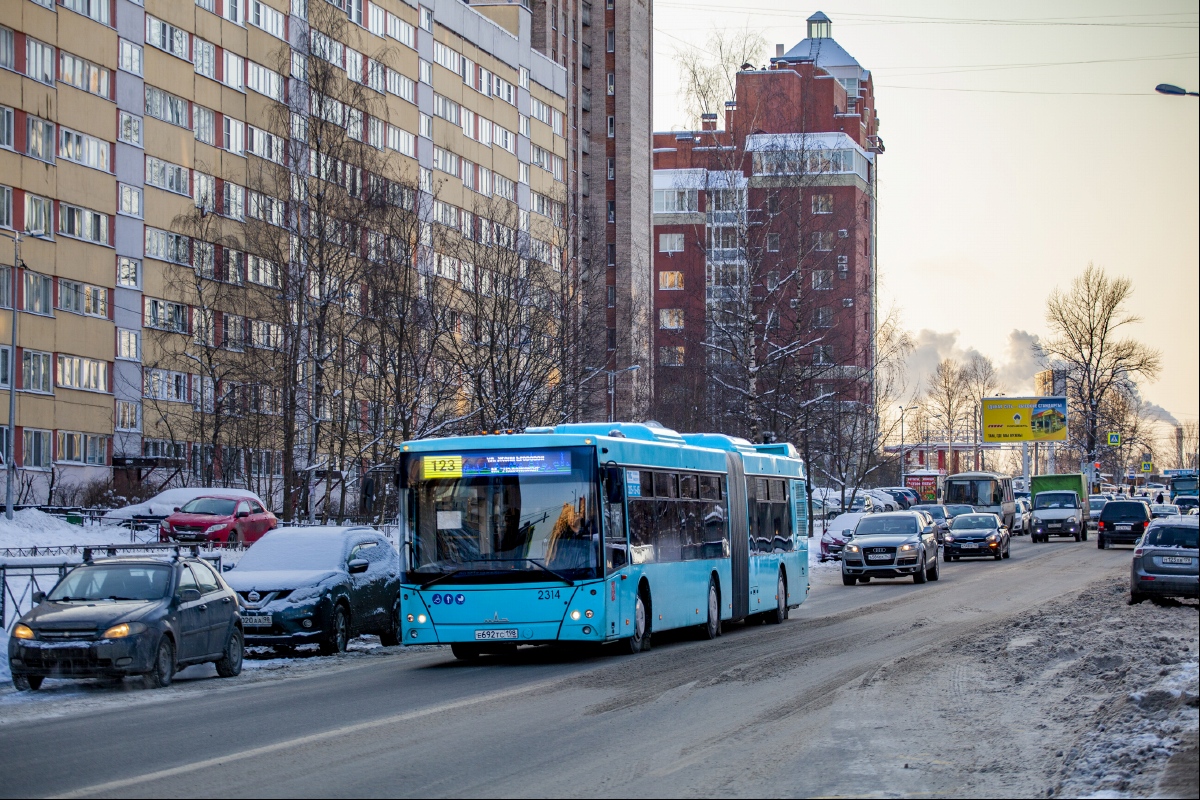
(936, 572)
(999, 554)
(1008, 549)
(849, 580)
(1084, 534)
(230, 664)
(919, 576)
(338, 635)
(464, 652)
(163, 669)
(27, 683)
(640, 640)
(781, 609)
(1135, 597)
(391, 637)
(1100, 543)
(1077, 536)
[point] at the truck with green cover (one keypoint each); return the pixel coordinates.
(1060, 507)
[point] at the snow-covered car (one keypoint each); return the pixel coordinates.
(319, 585)
(166, 502)
(883, 500)
(836, 534)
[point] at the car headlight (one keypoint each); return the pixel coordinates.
(124, 629)
(165, 526)
(214, 528)
(949, 537)
(851, 548)
(22, 632)
(905, 548)
(991, 537)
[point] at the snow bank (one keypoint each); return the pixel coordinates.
(31, 528)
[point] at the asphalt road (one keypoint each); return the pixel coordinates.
(765, 710)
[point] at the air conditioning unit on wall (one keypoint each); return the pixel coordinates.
(843, 234)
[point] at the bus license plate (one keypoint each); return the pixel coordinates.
(257, 620)
(491, 635)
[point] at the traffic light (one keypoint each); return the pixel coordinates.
(1096, 465)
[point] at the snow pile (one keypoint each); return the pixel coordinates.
(30, 528)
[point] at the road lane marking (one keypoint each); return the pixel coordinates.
(301, 741)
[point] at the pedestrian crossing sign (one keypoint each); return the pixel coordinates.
(1147, 466)
(1114, 440)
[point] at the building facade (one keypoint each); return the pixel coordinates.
(765, 257)
(139, 143)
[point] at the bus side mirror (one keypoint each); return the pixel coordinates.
(614, 485)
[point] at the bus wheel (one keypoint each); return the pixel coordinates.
(713, 629)
(781, 610)
(464, 652)
(641, 625)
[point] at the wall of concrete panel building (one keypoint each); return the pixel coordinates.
(114, 113)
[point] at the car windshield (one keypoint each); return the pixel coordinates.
(1164, 508)
(954, 511)
(973, 522)
(937, 512)
(113, 582)
(1173, 536)
(211, 506)
(870, 525)
(505, 514)
(294, 550)
(1055, 500)
(975, 491)
(1096, 504)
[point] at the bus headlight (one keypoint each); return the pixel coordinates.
(575, 615)
(421, 618)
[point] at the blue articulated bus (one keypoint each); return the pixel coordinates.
(596, 533)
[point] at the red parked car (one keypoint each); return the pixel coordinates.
(217, 519)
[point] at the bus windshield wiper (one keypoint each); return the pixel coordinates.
(440, 578)
(543, 567)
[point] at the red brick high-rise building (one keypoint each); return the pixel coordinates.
(764, 238)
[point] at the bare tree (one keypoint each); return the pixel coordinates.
(947, 399)
(1086, 326)
(707, 76)
(982, 381)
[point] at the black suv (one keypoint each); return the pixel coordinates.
(1122, 522)
(128, 616)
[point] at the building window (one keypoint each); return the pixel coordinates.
(129, 57)
(204, 125)
(611, 40)
(129, 416)
(37, 453)
(39, 61)
(235, 71)
(822, 279)
(82, 448)
(39, 214)
(612, 296)
(85, 75)
(204, 57)
(426, 19)
(5, 367)
(612, 84)
(167, 107)
(612, 127)
(6, 127)
(822, 317)
(8, 55)
(424, 71)
(823, 354)
(772, 242)
(670, 356)
(129, 272)
(39, 290)
(612, 255)
(612, 211)
(675, 201)
(35, 371)
(823, 241)
(83, 223)
(161, 384)
(822, 204)
(233, 135)
(670, 243)
(670, 319)
(167, 38)
(670, 280)
(165, 315)
(86, 374)
(129, 345)
(612, 339)
(130, 129)
(83, 149)
(612, 169)
(40, 141)
(6, 220)
(130, 200)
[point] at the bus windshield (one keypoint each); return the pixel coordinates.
(506, 515)
(974, 491)
(1183, 485)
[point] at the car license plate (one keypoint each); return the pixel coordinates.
(969, 546)
(490, 635)
(257, 620)
(1054, 525)
(878, 557)
(1124, 527)
(1176, 560)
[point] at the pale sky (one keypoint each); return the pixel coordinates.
(1008, 170)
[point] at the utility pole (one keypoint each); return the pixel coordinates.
(903, 411)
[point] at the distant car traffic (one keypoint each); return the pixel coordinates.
(953, 510)
(977, 535)
(128, 616)
(1186, 503)
(1095, 505)
(1022, 516)
(218, 518)
(319, 585)
(1166, 562)
(941, 518)
(899, 544)
(1121, 522)
(837, 533)
(1158, 510)
(1057, 513)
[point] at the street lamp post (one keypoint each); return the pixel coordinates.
(903, 411)
(612, 383)
(1177, 91)
(9, 462)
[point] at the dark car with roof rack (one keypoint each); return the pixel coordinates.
(128, 615)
